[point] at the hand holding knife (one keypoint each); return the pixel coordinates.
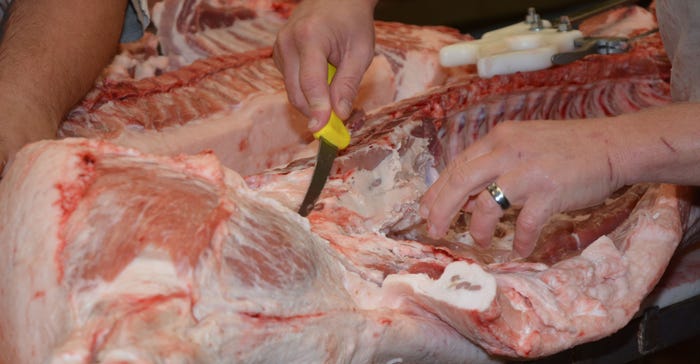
(334, 136)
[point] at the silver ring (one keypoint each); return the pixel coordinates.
(498, 195)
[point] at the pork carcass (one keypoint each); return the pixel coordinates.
(192, 30)
(236, 104)
(135, 61)
(137, 257)
(185, 31)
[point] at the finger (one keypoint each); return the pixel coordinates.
(287, 61)
(484, 219)
(461, 180)
(470, 205)
(534, 214)
(346, 83)
(313, 81)
(477, 149)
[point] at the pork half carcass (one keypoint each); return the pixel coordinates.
(185, 31)
(236, 104)
(192, 30)
(148, 259)
(133, 257)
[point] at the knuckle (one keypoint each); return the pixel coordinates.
(348, 86)
(305, 29)
(459, 177)
(548, 184)
(307, 86)
(503, 130)
(284, 42)
(366, 54)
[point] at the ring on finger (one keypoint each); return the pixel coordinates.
(498, 195)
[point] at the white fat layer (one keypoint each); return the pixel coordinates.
(420, 71)
(122, 355)
(77, 356)
(150, 273)
(367, 296)
(261, 132)
(462, 285)
(578, 240)
(381, 191)
(378, 85)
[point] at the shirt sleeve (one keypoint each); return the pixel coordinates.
(4, 4)
(679, 23)
(136, 20)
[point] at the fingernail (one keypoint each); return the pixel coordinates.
(314, 125)
(344, 108)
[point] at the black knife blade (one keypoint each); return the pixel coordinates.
(324, 161)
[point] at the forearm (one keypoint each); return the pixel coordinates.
(372, 3)
(658, 145)
(50, 55)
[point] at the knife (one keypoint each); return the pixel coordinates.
(334, 136)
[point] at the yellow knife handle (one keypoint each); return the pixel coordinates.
(335, 131)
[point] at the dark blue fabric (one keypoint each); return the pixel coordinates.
(132, 30)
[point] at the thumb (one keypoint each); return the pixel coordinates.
(313, 81)
(346, 84)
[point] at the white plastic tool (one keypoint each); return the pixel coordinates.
(526, 46)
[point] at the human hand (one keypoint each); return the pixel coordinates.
(318, 32)
(543, 167)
